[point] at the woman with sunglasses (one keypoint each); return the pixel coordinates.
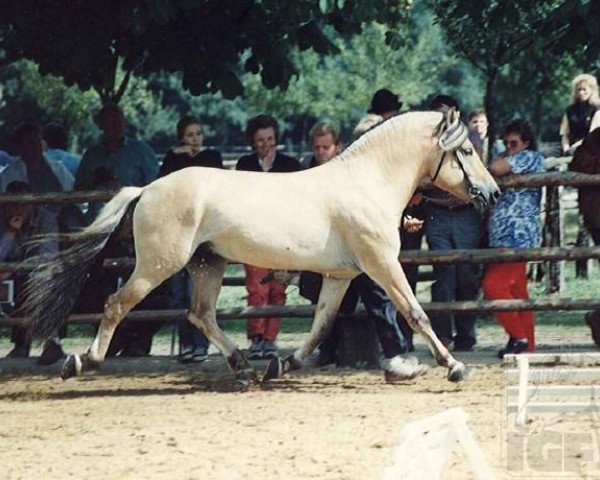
(515, 223)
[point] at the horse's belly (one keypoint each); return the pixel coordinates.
(291, 254)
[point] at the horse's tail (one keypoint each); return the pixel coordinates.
(54, 285)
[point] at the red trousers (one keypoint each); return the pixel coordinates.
(508, 281)
(259, 295)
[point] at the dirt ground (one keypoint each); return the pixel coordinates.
(156, 419)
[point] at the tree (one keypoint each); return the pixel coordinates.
(87, 43)
(492, 33)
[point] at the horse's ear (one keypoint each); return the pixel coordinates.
(454, 132)
(452, 117)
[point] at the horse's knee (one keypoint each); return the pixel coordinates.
(418, 320)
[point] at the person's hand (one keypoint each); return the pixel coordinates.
(412, 225)
(284, 277)
(184, 149)
(415, 200)
(15, 223)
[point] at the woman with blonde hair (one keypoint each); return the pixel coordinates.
(582, 115)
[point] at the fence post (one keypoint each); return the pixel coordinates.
(554, 231)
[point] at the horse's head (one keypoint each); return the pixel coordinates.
(458, 169)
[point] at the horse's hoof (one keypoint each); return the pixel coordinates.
(71, 367)
(246, 376)
(458, 372)
(274, 369)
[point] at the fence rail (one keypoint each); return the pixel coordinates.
(417, 257)
(307, 311)
(510, 181)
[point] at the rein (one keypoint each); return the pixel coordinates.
(473, 191)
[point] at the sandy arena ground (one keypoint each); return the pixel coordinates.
(156, 419)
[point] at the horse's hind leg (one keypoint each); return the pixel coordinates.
(141, 282)
(330, 298)
(206, 271)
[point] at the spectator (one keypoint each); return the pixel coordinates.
(189, 152)
(193, 344)
(43, 174)
(39, 174)
(325, 144)
(515, 223)
(376, 301)
(131, 162)
(395, 336)
(19, 224)
(452, 223)
(262, 133)
(587, 160)
(582, 115)
(119, 161)
(478, 135)
(385, 104)
(56, 139)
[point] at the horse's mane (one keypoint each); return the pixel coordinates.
(365, 141)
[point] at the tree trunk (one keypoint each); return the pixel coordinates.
(489, 104)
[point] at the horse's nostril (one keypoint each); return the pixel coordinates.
(495, 196)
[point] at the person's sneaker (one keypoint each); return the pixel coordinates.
(187, 355)
(401, 369)
(51, 353)
(18, 352)
(200, 355)
(514, 345)
(269, 349)
(255, 351)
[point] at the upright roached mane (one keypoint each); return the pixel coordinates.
(338, 219)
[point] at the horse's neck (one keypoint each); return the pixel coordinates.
(382, 164)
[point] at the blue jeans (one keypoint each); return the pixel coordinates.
(379, 307)
(190, 337)
(446, 230)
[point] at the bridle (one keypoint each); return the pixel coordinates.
(460, 153)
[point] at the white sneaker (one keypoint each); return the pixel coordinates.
(399, 369)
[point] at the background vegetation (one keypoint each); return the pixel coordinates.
(316, 60)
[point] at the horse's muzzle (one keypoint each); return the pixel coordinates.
(483, 201)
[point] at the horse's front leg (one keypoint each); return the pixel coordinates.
(330, 298)
(390, 276)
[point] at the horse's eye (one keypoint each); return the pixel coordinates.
(468, 150)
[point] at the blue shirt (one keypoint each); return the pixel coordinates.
(515, 219)
(62, 156)
(133, 164)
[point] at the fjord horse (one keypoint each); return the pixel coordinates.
(338, 219)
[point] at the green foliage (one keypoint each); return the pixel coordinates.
(203, 40)
(30, 96)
